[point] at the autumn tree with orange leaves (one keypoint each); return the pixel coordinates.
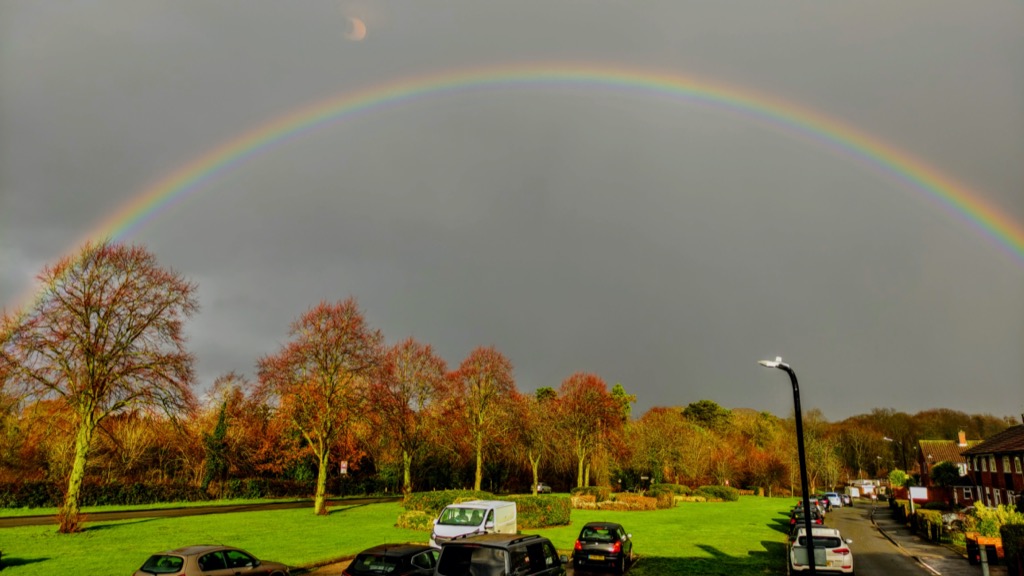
(411, 384)
(587, 415)
(484, 380)
(104, 335)
(321, 378)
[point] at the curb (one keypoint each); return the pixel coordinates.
(900, 546)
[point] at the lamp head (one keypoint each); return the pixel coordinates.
(772, 363)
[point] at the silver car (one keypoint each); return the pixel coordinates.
(209, 560)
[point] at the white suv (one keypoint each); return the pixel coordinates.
(831, 551)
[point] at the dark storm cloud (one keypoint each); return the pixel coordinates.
(658, 243)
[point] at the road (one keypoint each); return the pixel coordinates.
(873, 553)
(192, 511)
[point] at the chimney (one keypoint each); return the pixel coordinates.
(962, 436)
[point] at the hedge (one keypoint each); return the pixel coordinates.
(677, 489)
(726, 493)
(531, 511)
(40, 494)
(1013, 547)
(928, 523)
(433, 502)
(542, 510)
(600, 493)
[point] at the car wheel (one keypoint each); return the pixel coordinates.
(622, 565)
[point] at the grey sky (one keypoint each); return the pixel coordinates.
(656, 242)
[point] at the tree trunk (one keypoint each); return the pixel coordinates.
(586, 475)
(579, 470)
(478, 481)
(320, 502)
(535, 466)
(69, 512)
(406, 472)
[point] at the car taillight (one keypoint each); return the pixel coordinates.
(577, 546)
(843, 551)
(617, 548)
(818, 521)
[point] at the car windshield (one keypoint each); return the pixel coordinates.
(461, 517)
(163, 564)
(457, 560)
(373, 564)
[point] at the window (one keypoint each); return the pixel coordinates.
(1006, 464)
(968, 493)
(239, 559)
(1016, 464)
(991, 463)
(212, 561)
(984, 464)
(998, 492)
(426, 559)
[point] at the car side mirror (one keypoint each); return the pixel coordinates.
(849, 541)
(629, 535)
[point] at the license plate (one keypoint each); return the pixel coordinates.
(596, 557)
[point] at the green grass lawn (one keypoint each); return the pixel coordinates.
(730, 538)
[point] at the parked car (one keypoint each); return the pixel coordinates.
(603, 545)
(543, 488)
(796, 517)
(500, 554)
(394, 560)
(831, 551)
(824, 501)
(834, 499)
(196, 560)
(847, 499)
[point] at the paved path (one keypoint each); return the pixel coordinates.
(934, 558)
(8, 522)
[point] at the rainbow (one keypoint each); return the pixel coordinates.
(800, 120)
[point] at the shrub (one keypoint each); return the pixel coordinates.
(636, 501)
(677, 489)
(415, 520)
(988, 520)
(664, 499)
(600, 493)
(542, 510)
(1013, 542)
(726, 493)
(434, 502)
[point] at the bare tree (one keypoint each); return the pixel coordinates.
(104, 335)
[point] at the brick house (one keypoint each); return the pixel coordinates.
(996, 469)
(932, 452)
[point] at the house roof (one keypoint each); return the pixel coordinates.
(1009, 440)
(945, 450)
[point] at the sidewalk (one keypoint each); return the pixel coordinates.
(936, 558)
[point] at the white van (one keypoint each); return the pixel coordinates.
(474, 517)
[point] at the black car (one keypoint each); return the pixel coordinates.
(604, 546)
(394, 560)
(499, 555)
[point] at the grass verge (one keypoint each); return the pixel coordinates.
(731, 538)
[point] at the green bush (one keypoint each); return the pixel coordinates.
(726, 493)
(415, 520)
(542, 511)
(988, 520)
(1013, 542)
(928, 523)
(600, 493)
(434, 502)
(677, 489)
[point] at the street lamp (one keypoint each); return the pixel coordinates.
(779, 364)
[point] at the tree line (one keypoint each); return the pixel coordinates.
(96, 380)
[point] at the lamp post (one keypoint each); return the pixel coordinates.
(779, 364)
